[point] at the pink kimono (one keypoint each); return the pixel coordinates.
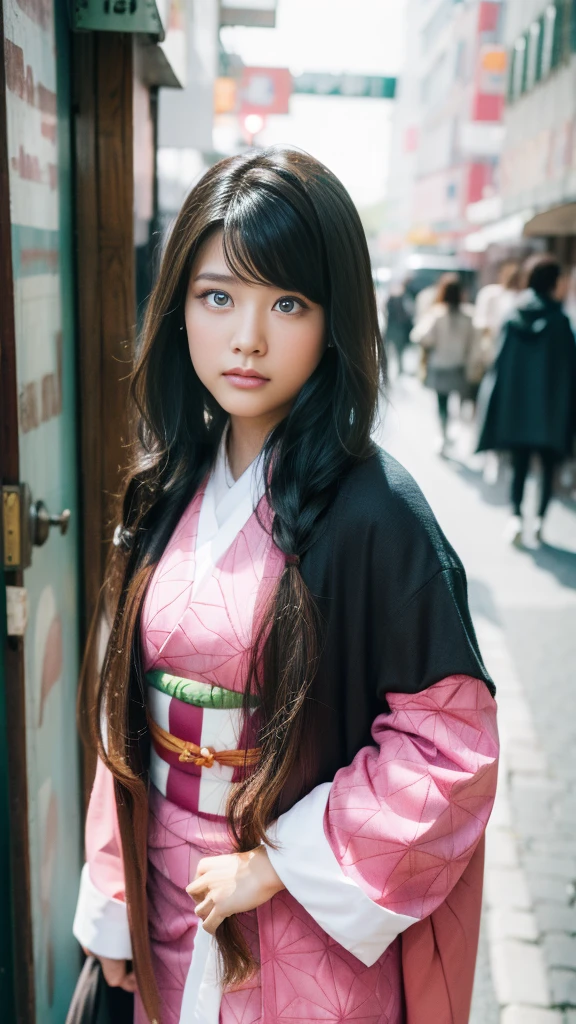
(382, 867)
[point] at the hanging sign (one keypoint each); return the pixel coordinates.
(119, 16)
(265, 91)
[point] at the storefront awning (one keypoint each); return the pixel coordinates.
(509, 229)
(559, 221)
(251, 13)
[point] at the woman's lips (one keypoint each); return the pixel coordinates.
(245, 380)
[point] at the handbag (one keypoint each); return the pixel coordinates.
(94, 1002)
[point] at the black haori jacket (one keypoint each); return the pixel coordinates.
(392, 595)
(393, 598)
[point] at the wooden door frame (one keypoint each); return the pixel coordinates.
(15, 886)
(102, 88)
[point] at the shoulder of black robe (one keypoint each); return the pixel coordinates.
(392, 596)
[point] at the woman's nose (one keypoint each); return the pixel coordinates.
(250, 337)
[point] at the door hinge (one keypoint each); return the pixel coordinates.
(16, 611)
(17, 545)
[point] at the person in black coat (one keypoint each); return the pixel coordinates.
(532, 405)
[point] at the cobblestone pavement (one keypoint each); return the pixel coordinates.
(524, 606)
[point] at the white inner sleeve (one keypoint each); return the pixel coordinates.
(309, 869)
(202, 992)
(101, 922)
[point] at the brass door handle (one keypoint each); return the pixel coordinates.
(41, 520)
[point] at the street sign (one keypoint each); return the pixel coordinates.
(313, 83)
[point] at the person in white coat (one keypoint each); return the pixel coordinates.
(447, 336)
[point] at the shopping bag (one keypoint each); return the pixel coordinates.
(88, 995)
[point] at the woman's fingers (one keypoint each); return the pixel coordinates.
(198, 888)
(204, 865)
(213, 921)
(204, 908)
(129, 983)
(114, 971)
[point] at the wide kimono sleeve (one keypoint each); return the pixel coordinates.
(101, 920)
(383, 845)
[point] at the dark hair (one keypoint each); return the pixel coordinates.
(542, 273)
(450, 291)
(286, 220)
(510, 275)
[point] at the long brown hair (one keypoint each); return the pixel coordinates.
(285, 220)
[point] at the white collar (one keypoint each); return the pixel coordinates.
(225, 510)
(228, 495)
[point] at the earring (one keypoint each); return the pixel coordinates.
(331, 344)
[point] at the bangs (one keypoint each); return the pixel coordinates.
(267, 240)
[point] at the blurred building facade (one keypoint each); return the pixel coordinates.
(538, 177)
(448, 131)
(484, 152)
(536, 202)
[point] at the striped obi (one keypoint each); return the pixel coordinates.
(202, 714)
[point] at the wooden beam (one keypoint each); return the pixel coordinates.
(103, 112)
(116, 242)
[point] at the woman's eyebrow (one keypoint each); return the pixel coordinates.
(209, 276)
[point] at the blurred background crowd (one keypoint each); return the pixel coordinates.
(453, 125)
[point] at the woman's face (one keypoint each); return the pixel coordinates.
(253, 346)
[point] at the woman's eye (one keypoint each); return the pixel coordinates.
(217, 299)
(287, 305)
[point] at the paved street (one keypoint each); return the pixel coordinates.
(524, 606)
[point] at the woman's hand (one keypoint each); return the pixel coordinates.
(116, 973)
(231, 884)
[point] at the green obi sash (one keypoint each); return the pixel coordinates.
(192, 691)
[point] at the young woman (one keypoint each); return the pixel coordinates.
(531, 408)
(296, 733)
(447, 336)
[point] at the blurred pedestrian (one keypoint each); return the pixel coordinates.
(531, 409)
(494, 304)
(427, 298)
(399, 320)
(446, 334)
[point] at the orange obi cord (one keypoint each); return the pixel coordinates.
(204, 757)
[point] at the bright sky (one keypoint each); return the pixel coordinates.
(364, 36)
